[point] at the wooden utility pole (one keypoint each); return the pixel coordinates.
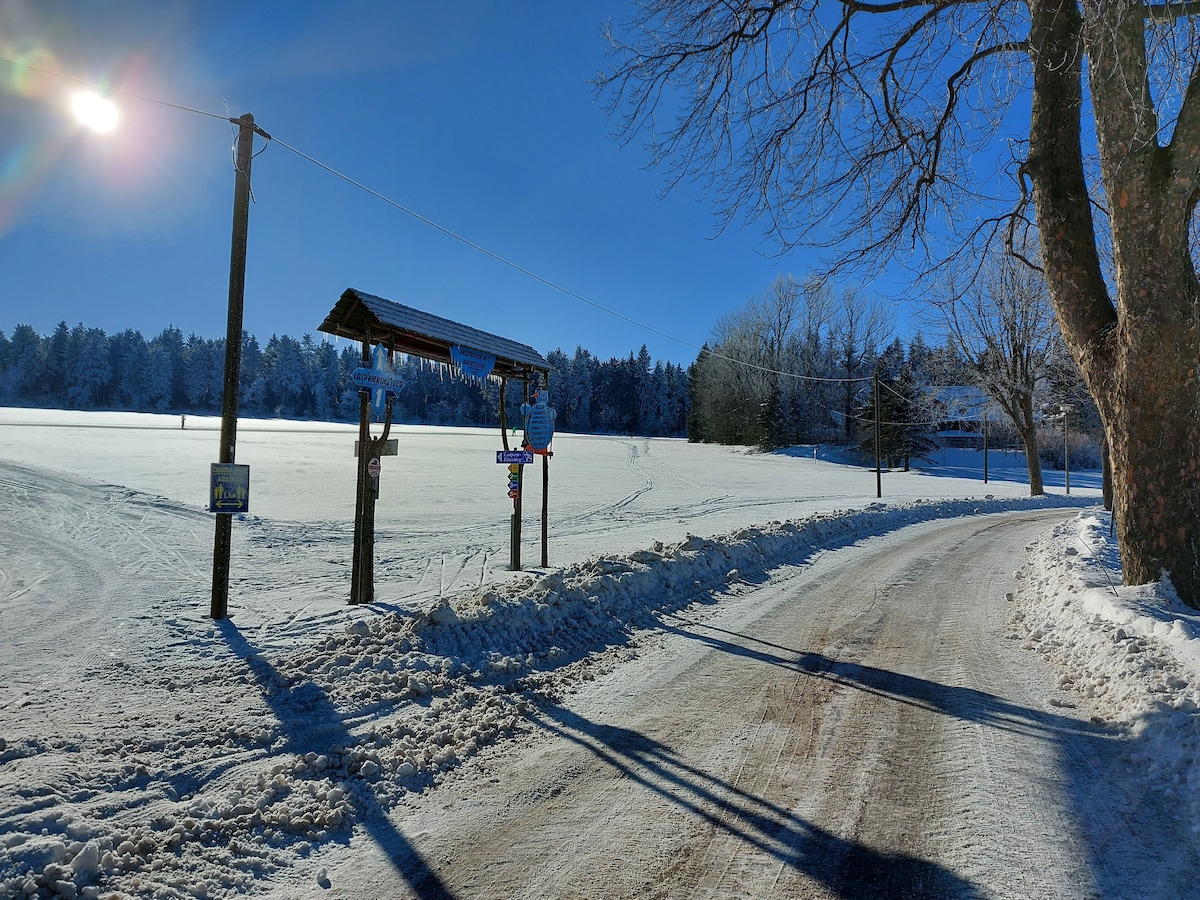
(878, 427)
(985, 448)
(233, 353)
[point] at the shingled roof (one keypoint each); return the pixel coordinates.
(365, 317)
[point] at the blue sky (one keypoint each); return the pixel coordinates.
(476, 115)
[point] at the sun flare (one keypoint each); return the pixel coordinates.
(95, 112)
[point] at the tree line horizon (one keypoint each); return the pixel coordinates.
(816, 387)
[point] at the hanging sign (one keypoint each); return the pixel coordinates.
(379, 380)
(474, 363)
(539, 422)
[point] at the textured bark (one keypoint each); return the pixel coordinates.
(1027, 429)
(1139, 356)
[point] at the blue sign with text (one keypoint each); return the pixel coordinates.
(520, 457)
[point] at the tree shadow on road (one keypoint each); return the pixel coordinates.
(1120, 825)
(310, 722)
(848, 869)
(964, 703)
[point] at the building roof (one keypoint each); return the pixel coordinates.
(961, 403)
(364, 317)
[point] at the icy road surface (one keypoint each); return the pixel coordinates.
(865, 727)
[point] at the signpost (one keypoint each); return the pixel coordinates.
(378, 324)
(377, 384)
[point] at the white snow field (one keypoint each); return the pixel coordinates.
(147, 751)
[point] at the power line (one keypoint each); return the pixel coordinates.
(553, 285)
(716, 354)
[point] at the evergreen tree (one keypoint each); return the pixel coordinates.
(902, 435)
(87, 368)
(23, 379)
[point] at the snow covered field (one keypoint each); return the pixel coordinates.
(147, 751)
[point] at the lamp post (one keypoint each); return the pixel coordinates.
(1063, 410)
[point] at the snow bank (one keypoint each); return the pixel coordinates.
(1131, 653)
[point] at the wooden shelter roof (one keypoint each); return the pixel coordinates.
(365, 317)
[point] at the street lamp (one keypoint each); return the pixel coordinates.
(1063, 410)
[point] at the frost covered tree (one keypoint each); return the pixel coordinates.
(88, 368)
(26, 361)
(1003, 324)
(860, 124)
(860, 324)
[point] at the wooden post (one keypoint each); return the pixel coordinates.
(878, 427)
(985, 449)
(514, 554)
(545, 509)
(516, 527)
(546, 498)
(364, 412)
(222, 539)
(503, 415)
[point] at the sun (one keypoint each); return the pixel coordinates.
(94, 111)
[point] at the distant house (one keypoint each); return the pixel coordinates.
(958, 413)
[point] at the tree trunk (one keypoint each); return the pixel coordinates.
(1140, 355)
(1033, 461)
(1152, 412)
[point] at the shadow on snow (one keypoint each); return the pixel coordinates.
(310, 722)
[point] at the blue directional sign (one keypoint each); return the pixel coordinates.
(521, 457)
(229, 488)
(380, 380)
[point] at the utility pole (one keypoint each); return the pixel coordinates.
(878, 426)
(985, 448)
(233, 352)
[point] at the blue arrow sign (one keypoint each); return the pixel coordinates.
(372, 380)
(379, 380)
(507, 457)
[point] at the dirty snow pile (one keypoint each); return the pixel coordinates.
(202, 797)
(1130, 654)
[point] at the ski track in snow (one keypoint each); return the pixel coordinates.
(146, 751)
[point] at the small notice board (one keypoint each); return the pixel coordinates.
(229, 488)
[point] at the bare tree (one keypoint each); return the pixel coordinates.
(856, 124)
(1003, 325)
(861, 323)
(766, 366)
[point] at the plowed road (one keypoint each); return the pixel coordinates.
(866, 726)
